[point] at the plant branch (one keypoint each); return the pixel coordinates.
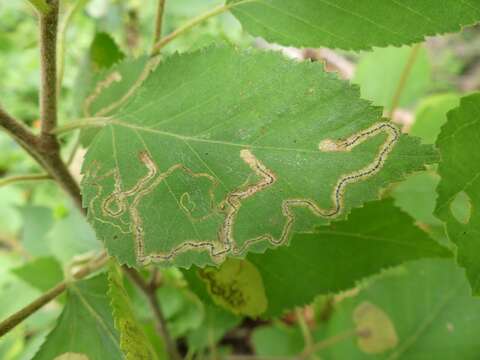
(150, 293)
(15, 319)
(188, 26)
(48, 145)
(159, 21)
(307, 335)
(21, 178)
(404, 78)
(19, 132)
(48, 66)
(81, 124)
(194, 22)
(49, 160)
(333, 340)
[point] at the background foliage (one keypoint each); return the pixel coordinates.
(403, 264)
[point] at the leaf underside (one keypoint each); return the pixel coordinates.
(352, 24)
(220, 152)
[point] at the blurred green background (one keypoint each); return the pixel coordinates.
(38, 225)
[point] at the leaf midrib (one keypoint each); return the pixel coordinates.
(95, 315)
(207, 141)
(367, 237)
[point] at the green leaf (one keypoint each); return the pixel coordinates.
(334, 258)
(429, 305)
(72, 236)
(252, 156)
(11, 288)
(417, 197)
(41, 273)
(431, 115)
(103, 79)
(216, 323)
(133, 341)
(351, 24)
(12, 344)
(459, 170)
(181, 308)
(109, 86)
(277, 340)
(86, 325)
(10, 221)
(37, 222)
(379, 73)
(237, 286)
(104, 52)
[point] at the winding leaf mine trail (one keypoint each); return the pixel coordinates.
(115, 205)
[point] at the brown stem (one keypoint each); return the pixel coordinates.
(23, 178)
(47, 144)
(57, 169)
(159, 21)
(404, 78)
(19, 132)
(48, 64)
(189, 25)
(150, 293)
(155, 279)
(15, 319)
(45, 150)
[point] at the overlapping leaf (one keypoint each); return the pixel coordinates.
(352, 24)
(133, 341)
(458, 200)
(86, 325)
(428, 308)
(220, 152)
(333, 258)
(422, 310)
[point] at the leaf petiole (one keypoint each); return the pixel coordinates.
(194, 22)
(81, 124)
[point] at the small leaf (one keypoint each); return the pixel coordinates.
(41, 273)
(86, 322)
(431, 114)
(422, 310)
(237, 286)
(352, 24)
(72, 236)
(181, 308)
(459, 170)
(416, 196)
(104, 52)
(133, 341)
(252, 157)
(379, 73)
